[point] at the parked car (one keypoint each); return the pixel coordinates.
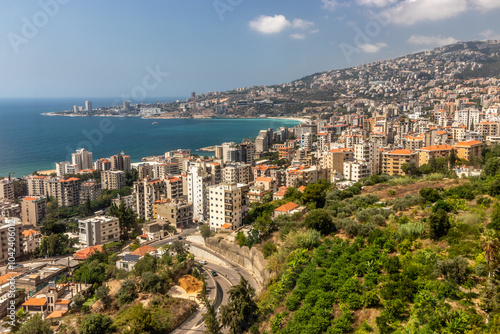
(202, 262)
(214, 273)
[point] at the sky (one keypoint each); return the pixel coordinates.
(137, 49)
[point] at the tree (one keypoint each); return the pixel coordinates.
(268, 249)
(205, 231)
(267, 197)
(102, 293)
(454, 269)
(453, 158)
(491, 246)
(126, 216)
(320, 220)
(211, 322)
(78, 300)
(495, 218)
(430, 194)
(154, 283)
(145, 264)
(35, 325)
(439, 224)
(127, 293)
(97, 323)
(241, 311)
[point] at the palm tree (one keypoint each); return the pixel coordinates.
(491, 247)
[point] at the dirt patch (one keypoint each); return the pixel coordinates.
(114, 286)
(381, 190)
(190, 284)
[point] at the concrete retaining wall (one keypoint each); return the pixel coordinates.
(250, 259)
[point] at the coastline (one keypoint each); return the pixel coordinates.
(53, 114)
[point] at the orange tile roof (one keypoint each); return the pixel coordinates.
(263, 179)
(63, 301)
(437, 148)
(226, 225)
(6, 277)
(70, 179)
(35, 302)
(85, 253)
(401, 152)
(27, 198)
(468, 143)
(441, 132)
(56, 314)
(287, 207)
(141, 251)
(27, 233)
(301, 188)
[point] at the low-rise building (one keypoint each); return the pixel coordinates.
(176, 212)
(31, 240)
(288, 209)
(98, 230)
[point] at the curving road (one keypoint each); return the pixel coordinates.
(228, 274)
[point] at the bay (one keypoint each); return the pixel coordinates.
(30, 141)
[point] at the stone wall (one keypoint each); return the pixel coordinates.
(251, 259)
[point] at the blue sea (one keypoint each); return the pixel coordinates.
(31, 142)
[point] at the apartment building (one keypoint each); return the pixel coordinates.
(425, 154)
(147, 192)
(98, 230)
(6, 189)
(369, 153)
(9, 209)
(102, 164)
(304, 173)
(414, 142)
(237, 173)
(227, 206)
(65, 168)
(469, 149)
(356, 170)
(36, 185)
(33, 209)
(90, 191)
(68, 192)
(30, 241)
(161, 171)
(120, 162)
(145, 170)
(113, 179)
(286, 153)
(82, 158)
(174, 188)
(177, 212)
(488, 129)
(393, 160)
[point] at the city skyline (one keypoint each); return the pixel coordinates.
(62, 48)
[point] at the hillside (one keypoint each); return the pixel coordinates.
(389, 255)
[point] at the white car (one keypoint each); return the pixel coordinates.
(202, 262)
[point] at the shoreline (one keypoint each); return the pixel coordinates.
(52, 114)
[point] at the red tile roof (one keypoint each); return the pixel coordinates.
(287, 207)
(141, 251)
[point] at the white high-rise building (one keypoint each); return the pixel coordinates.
(227, 207)
(88, 105)
(198, 182)
(82, 158)
(369, 153)
(306, 140)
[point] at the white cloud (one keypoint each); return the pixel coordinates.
(412, 11)
(490, 34)
(486, 4)
(302, 24)
(375, 3)
(269, 24)
(431, 40)
(372, 48)
(330, 4)
(298, 36)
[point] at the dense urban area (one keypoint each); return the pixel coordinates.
(379, 213)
